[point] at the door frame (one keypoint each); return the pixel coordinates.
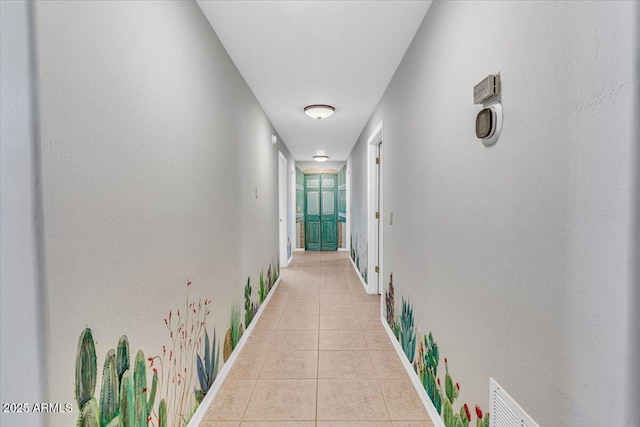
(292, 212)
(375, 199)
(282, 209)
(347, 224)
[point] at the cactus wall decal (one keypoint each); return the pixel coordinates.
(86, 370)
(207, 369)
(359, 255)
(390, 304)
(426, 363)
(248, 304)
(123, 398)
(262, 289)
(407, 330)
(127, 398)
(234, 332)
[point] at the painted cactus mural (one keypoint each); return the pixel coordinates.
(426, 366)
(178, 361)
(124, 397)
(163, 390)
(390, 304)
(425, 361)
(407, 330)
(248, 304)
(359, 255)
(263, 287)
(234, 333)
(207, 366)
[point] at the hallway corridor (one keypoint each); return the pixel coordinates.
(318, 356)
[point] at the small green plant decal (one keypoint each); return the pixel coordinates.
(276, 271)
(426, 366)
(248, 304)
(407, 330)
(262, 289)
(390, 304)
(482, 422)
(234, 333)
(207, 369)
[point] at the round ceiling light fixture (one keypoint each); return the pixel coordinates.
(320, 158)
(319, 111)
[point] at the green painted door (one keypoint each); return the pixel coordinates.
(312, 213)
(329, 209)
(321, 212)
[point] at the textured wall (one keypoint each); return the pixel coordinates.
(517, 256)
(358, 193)
(21, 349)
(152, 145)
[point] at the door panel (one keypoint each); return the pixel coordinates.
(312, 211)
(328, 206)
(321, 213)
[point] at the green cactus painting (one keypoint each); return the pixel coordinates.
(359, 255)
(390, 304)
(276, 270)
(110, 390)
(86, 368)
(248, 304)
(123, 396)
(163, 390)
(407, 330)
(262, 289)
(207, 369)
(426, 363)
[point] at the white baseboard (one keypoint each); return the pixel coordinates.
(198, 416)
(299, 250)
(343, 249)
(415, 380)
(364, 284)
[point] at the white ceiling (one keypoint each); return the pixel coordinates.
(296, 53)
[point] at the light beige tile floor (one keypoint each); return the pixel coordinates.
(318, 357)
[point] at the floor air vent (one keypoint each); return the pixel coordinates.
(505, 412)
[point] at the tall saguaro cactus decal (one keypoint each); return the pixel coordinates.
(122, 357)
(110, 391)
(86, 375)
(86, 369)
(123, 394)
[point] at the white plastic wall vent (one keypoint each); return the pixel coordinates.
(505, 412)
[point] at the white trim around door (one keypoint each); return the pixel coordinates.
(282, 209)
(375, 214)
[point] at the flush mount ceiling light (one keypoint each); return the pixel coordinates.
(320, 158)
(319, 111)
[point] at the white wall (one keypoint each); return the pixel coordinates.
(633, 361)
(21, 352)
(152, 145)
(517, 256)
